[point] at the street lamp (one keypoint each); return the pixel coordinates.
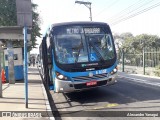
(88, 5)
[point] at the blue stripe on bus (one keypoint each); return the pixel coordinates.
(75, 74)
(18, 72)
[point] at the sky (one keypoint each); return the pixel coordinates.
(109, 11)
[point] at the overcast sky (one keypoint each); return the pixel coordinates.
(109, 11)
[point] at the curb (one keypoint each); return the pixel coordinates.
(51, 117)
(139, 75)
(48, 107)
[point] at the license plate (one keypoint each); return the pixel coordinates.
(91, 83)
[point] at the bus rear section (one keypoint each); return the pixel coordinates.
(79, 56)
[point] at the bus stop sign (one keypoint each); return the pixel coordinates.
(24, 18)
(24, 13)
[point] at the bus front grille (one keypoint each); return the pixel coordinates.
(94, 77)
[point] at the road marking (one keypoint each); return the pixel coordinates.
(142, 81)
(105, 106)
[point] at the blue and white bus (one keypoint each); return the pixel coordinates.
(78, 56)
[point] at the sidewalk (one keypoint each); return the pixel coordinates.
(14, 99)
(137, 75)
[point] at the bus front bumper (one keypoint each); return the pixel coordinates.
(69, 86)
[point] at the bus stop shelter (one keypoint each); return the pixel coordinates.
(8, 34)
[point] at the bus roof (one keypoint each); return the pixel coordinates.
(78, 23)
(74, 23)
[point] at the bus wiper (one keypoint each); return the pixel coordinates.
(96, 50)
(79, 49)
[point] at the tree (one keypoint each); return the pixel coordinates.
(133, 47)
(135, 43)
(8, 17)
(8, 13)
(36, 28)
(148, 40)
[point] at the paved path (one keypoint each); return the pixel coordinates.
(14, 99)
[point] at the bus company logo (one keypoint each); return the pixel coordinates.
(91, 64)
(83, 65)
(6, 114)
(90, 74)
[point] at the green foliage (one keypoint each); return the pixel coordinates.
(133, 47)
(8, 17)
(157, 70)
(35, 27)
(8, 13)
(136, 43)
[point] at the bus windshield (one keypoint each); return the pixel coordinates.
(83, 45)
(70, 49)
(101, 47)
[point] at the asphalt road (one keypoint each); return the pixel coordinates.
(131, 98)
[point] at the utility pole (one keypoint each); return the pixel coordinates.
(144, 63)
(88, 5)
(0, 71)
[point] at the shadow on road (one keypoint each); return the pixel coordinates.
(120, 93)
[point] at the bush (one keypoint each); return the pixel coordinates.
(157, 70)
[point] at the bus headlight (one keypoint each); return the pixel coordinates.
(114, 70)
(60, 76)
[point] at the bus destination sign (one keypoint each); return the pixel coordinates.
(94, 30)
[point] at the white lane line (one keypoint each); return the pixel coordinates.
(142, 81)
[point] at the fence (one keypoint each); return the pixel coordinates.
(147, 62)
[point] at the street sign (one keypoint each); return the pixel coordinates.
(24, 13)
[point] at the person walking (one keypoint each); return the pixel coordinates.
(33, 61)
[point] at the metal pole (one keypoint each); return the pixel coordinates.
(143, 59)
(0, 74)
(122, 60)
(90, 12)
(88, 5)
(25, 67)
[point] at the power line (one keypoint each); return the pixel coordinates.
(113, 3)
(137, 13)
(126, 9)
(132, 11)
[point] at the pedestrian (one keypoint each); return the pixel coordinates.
(33, 61)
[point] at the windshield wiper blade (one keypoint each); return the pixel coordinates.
(77, 56)
(96, 50)
(79, 49)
